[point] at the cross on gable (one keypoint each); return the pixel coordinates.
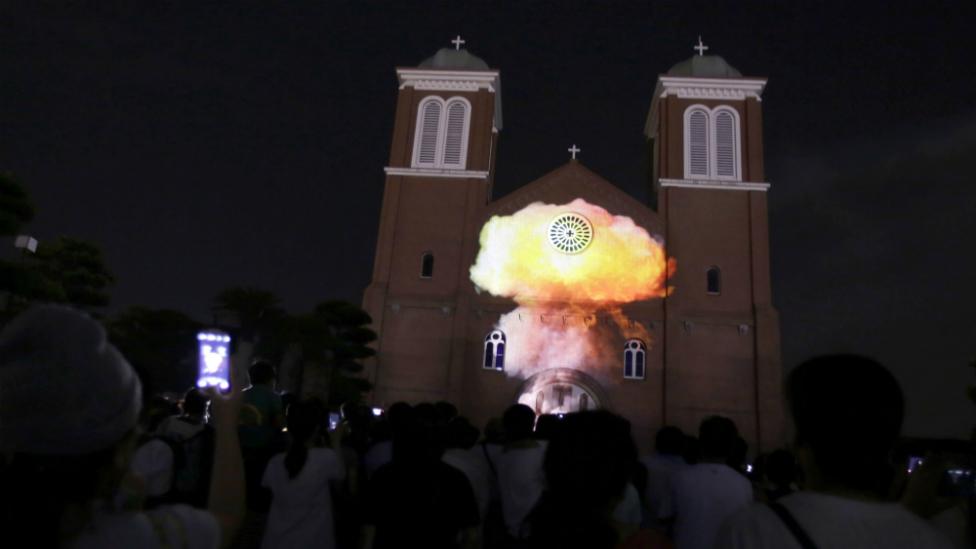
(457, 43)
(573, 150)
(700, 47)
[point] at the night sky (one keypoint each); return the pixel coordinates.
(205, 145)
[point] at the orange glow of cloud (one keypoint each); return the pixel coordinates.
(623, 263)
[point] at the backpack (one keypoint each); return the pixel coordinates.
(192, 464)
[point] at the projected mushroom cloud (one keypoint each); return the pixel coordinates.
(570, 268)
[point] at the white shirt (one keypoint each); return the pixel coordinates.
(472, 463)
(830, 521)
(520, 483)
(660, 469)
(628, 511)
(153, 462)
(168, 526)
(377, 456)
(702, 497)
(301, 507)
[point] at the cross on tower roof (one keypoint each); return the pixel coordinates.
(573, 150)
(700, 47)
(457, 43)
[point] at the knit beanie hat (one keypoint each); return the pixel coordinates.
(64, 389)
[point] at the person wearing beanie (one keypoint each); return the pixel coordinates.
(69, 407)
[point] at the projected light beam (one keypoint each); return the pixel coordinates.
(576, 261)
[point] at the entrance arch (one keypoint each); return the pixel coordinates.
(561, 391)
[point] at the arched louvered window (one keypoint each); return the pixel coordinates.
(712, 143)
(456, 136)
(726, 144)
(713, 280)
(441, 136)
(696, 142)
(635, 353)
(427, 265)
(427, 138)
(494, 358)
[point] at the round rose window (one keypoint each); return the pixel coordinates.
(570, 233)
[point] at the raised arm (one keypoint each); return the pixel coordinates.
(227, 478)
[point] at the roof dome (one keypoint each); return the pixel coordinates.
(451, 59)
(705, 66)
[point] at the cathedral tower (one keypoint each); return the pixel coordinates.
(438, 181)
(721, 332)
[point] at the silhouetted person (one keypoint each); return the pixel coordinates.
(705, 494)
(151, 468)
(417, 500)
(381, 451)
(463, 453)
(301, 482)
(779, 472)
(587, 467)
(446, 411)
(519, 468)
(69, 402)
(692, 450)
(847, 411)
(261, 435)
(738, 455)
(667, 459)
(262, 396)
(546, 426)
(192, 441)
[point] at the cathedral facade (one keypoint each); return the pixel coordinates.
(568, 293)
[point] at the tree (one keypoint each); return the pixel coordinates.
(16, 208)
(257, 315)
(330, 342)
(71, 271)
(343, 348)
(160, 344)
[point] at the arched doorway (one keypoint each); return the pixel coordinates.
(561, 391)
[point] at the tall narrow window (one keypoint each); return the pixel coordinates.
(428, 132)
(635, 352)
(725, 145)
(696, 134)
(712, 143)
(441, 136)
(713, 280)
(494, 358)
(427, 265)
(456, 136)
(584, 402)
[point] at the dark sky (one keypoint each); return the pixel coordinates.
(207, 144)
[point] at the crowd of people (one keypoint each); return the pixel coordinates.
(88, 460)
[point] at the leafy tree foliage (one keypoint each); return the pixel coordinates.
(333, 339)
(70, 271)
(160, 344)
(16, 208)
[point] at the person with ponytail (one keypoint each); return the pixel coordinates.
(300, 481)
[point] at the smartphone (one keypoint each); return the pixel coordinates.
(333, 421)
(958, 483)
(377, 412)
(213, 360)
